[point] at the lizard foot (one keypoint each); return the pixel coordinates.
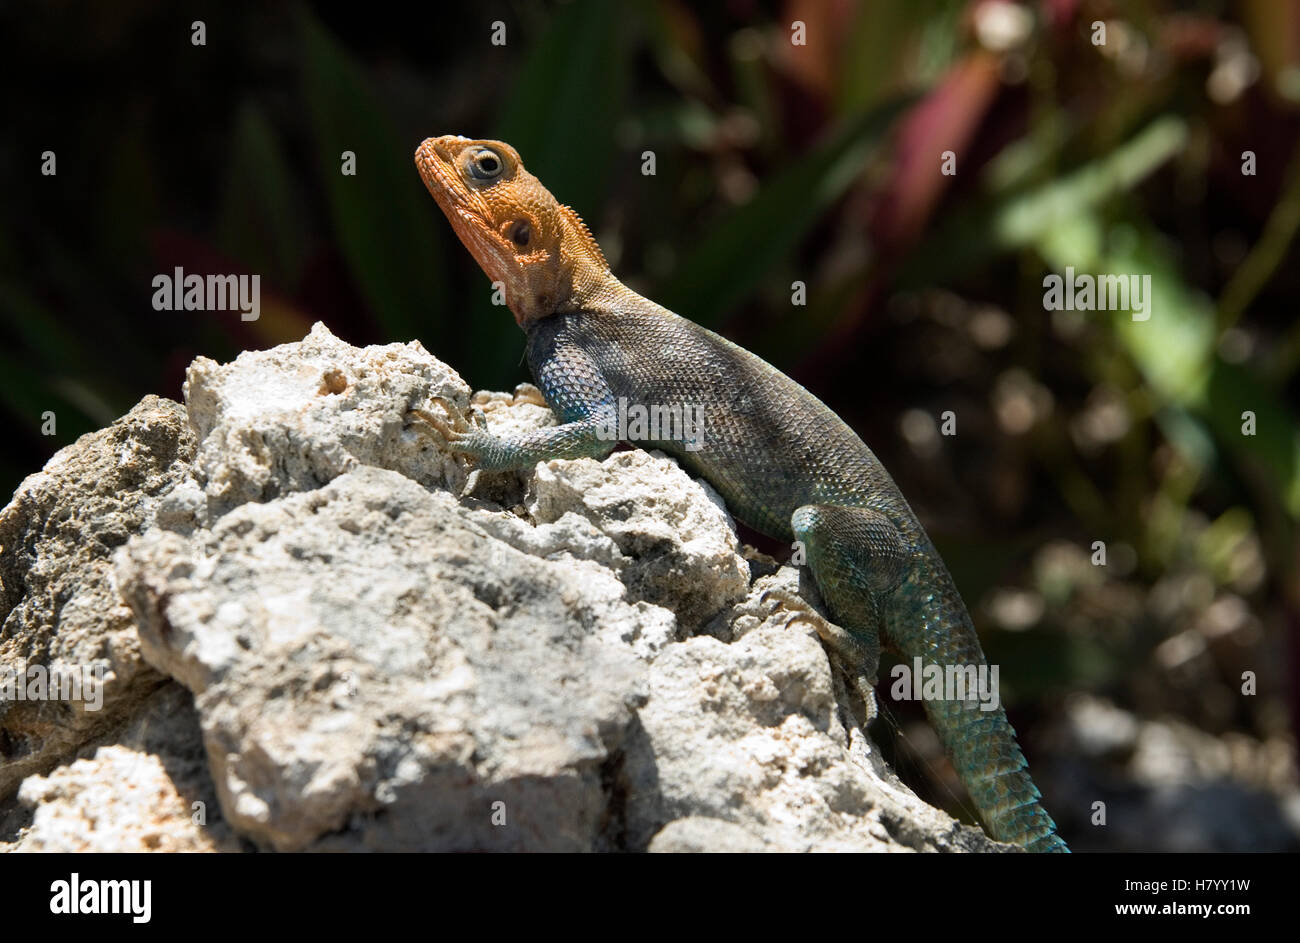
(856, 659)
(467, 437)
(452, 428)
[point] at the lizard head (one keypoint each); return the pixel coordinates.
(518, 233)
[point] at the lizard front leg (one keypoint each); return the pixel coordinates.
(583, 438)
(576, 393)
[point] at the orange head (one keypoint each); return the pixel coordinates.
(518, 233)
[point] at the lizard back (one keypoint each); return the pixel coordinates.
(769, 445)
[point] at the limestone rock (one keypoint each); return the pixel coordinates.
(61, 614)
(154, 783)
(292, 418)
(681, 551)
(386, 651)
(362, 648)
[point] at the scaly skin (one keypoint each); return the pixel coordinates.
(785, 464)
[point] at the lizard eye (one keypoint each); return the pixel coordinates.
(521, 234)
(484, 164)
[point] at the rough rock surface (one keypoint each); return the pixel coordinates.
(381, 650)
(148, 791)
(60, 609)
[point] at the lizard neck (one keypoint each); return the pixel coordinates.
(595, 290)
(581, 281)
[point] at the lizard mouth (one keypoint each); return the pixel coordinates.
(464, 208)
(435, 165)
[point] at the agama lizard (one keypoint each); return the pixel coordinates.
(785, 464)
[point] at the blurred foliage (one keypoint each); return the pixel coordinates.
(776, 163)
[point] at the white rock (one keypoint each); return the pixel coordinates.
(385, 654)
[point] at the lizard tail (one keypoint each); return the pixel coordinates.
(984, 752)
(930, 623)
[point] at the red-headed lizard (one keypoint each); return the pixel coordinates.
(785, 464)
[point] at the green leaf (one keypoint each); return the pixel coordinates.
(740, 251)
(562, 110)
(382, 218)
(1174, 349)
(261, 222)
(892, 42)
(561, 113)
(1004, 223)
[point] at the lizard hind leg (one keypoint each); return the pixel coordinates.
(857, 557)
(856, 656)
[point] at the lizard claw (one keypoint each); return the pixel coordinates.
(467, 437)
(452, 428)
(859, 657)
(797, 606)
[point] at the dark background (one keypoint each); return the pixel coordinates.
(775, 163)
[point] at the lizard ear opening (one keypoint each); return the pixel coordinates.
(520, 233)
